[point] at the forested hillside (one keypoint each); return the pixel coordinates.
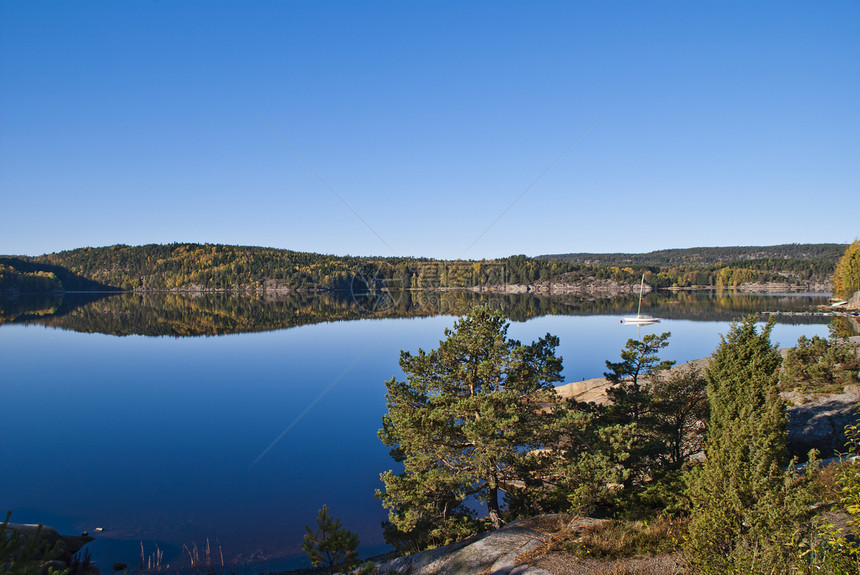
(710, 256)
(213, 267)
(725, 266)
(241, 268)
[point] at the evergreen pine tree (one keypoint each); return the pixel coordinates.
(631, 376)
(746, 506)
(630, 400)
(331, 544)
(463, 417)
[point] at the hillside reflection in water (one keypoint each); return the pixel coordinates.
(217, 314)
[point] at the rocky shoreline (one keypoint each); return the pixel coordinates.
(588, 287)
(771, 287)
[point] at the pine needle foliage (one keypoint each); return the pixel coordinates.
(465, 414)
(28, 554)
(747, 506)
(630, 399)
(330, 544)
(819, 365)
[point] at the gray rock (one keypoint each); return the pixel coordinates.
(820, 423)
(494, 553)
(854, 302)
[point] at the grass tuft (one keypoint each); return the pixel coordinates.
(617, 539)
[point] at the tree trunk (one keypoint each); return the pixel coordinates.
(493, 505)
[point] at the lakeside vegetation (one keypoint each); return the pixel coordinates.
(846, 280)
(477, 415)
(214, 267)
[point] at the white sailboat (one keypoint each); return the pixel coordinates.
(641, 319)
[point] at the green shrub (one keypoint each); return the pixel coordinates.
(27, 554)
(331, 544)
(836, 549)
(819, 365)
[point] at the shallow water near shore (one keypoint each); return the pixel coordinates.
(239, 439)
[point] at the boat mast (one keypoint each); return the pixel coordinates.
(641, 287)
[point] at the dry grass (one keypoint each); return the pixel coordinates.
(658, 565)
(614, 539)
(581, 546)
(629, 568)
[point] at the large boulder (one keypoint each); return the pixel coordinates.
(819, 423)
(496, 552)
(516, 550)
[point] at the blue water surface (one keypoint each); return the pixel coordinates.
(238, 439)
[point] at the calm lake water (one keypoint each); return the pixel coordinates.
(117, 415)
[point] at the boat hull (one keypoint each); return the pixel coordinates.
(641, 320)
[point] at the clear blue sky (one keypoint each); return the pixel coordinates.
(699, 124)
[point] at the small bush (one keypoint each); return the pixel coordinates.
(28, 554)
(331, 545)
(819, 365)
(837, 548)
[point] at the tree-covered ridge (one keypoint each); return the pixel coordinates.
(791, 271)
(36, 281)
(202, 267)
(709, 256)
(213, 267)
(25, 275)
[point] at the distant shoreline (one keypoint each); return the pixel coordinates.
(600, 289)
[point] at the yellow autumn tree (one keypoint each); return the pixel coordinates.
(846, 280)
